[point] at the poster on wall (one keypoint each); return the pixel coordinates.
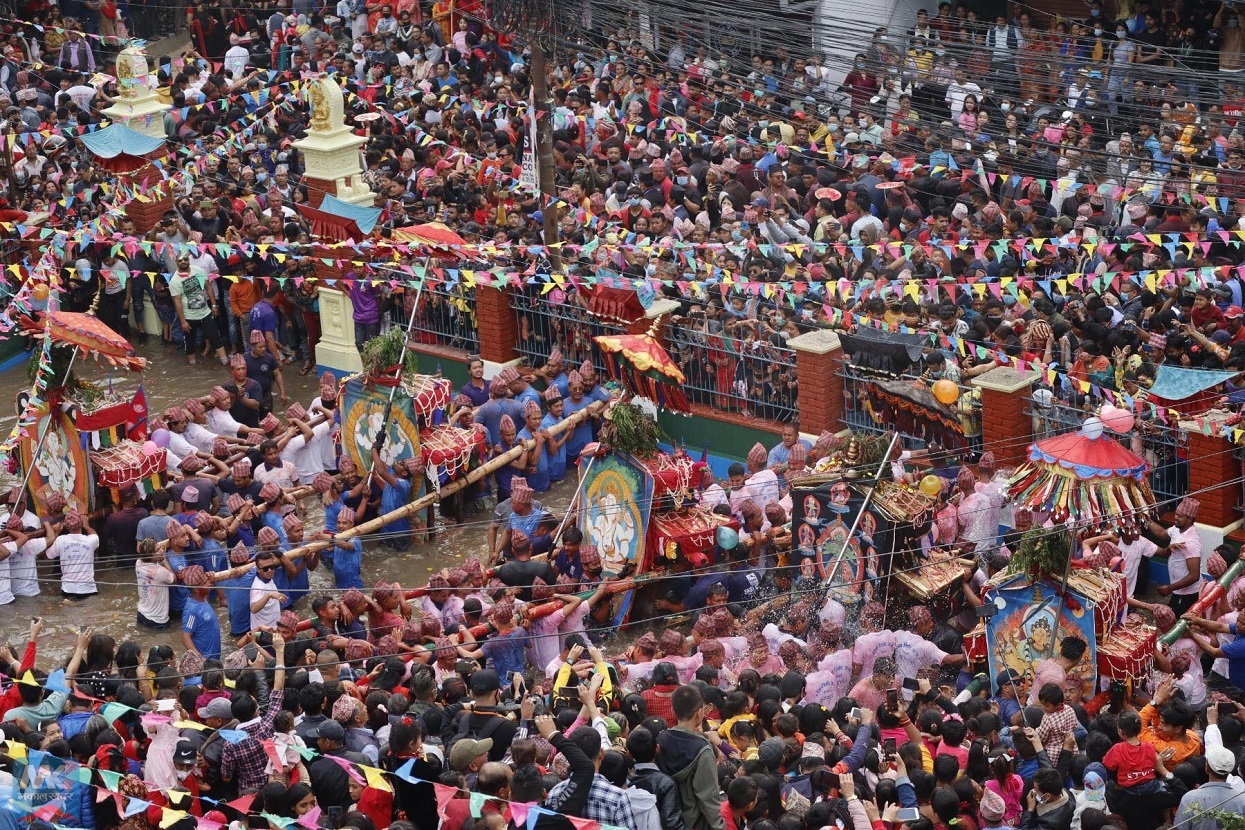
(617, 494)
(1024, 632)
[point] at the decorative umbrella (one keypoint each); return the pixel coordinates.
(88, 333)
(1085, 476)
(644, 367)
(435, 233)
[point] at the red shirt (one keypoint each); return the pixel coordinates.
(1131, 764)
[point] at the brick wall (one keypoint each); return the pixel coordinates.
(498, 328)
(819, 371)
(1005, 428)
(1213, 469)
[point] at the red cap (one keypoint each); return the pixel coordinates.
(1233, 312)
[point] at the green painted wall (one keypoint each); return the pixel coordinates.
(453, 370)
(725, 439)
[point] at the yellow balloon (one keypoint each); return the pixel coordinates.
(931, 486)
(946, 392)
(40, 292)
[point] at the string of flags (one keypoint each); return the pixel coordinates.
(55, 774)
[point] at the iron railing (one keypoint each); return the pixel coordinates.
(446, 317)
(566, 325)
(866, 410)
(746, 376)
(1164, 447)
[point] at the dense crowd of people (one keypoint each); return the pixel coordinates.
(956, 179)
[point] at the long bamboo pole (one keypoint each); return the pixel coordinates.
(427, 501)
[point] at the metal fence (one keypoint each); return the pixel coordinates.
(869, 407)
(446, 317)
(567, 326)
(750, 377)
(1164, 447)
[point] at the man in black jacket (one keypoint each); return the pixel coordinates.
(642, 745)
(528, 784)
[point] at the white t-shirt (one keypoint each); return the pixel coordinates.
(285, 475)
(913, 653)
(221, 422)
(153, 590)
(177, 449)
(199, 437)
(23, 570)
(271, 612)
(77, 554)
(1133, 554)
(1178, 563)
(764, 488)
(6, 582)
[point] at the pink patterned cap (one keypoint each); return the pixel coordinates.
(195, 576)
(235, 503)
(270, 492)
(757, 456)
(322, 483)
(192, 464)
(241, 469)
(220, 448)
(292, 523)
(270, 422)
(553, 394)
(267, 537)
(296, 412)
(194, 406)
(220, 394)
(239, 555)
(237, 362)
(289, 619)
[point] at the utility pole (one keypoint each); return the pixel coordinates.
(545, 174)
(533, 21)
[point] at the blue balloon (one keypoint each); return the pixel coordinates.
(160, 438)
(728, 539)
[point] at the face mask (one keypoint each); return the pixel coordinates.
(762, 124)
(492, 154)
(1005, 106)
(1097, 32)
(183, 774)
(860, 64)
(1121, 33)
(1094, 12)
(681, 181)
(633, 202)
(736, 236)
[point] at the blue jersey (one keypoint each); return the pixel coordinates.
(582, 436)
(391, 498)
(557, 460)
(539, 480)
(348, 566)
(178, 593)
(199, 620)
(238, 598)
(212, 557)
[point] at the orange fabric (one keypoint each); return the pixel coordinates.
(1190, 745)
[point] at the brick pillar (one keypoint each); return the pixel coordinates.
(1005, 428)
(1213, 469)
(145, 215)
(317, 189)
(499, 329)
(819, 371)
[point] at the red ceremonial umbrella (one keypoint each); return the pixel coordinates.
(87, 332)
(1089, 478)
(644, 367)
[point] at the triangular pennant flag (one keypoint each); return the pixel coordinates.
(376, 779)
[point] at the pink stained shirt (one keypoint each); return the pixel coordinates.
(867, 696)
(869, 647)
(831, 681)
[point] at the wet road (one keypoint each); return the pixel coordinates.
(169, 380)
